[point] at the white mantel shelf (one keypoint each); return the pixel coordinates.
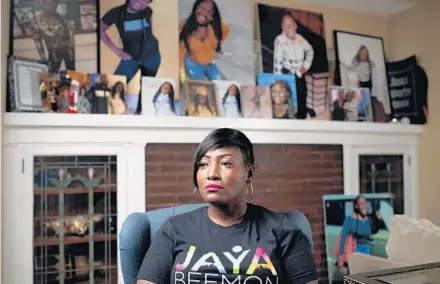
(52, 128)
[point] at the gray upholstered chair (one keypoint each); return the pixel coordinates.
(139, 229)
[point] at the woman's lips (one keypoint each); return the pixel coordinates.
(213, 188)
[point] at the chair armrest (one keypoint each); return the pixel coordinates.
(134, 240)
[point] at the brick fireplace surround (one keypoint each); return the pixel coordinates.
(288, 177)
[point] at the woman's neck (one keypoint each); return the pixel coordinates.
(227, 214)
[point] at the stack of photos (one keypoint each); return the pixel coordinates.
(159, 97)
(355, 224)
(350, 104)
(287, 74)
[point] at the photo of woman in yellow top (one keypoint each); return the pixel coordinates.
(201, 37)
(202, 102)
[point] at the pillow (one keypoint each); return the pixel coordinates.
(413, 241)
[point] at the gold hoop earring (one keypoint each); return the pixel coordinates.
(195, 190)
(252, 191)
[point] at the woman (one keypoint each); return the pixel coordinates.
(351, 106)
(360, 226)
(201, 105)
(232, 102)
(140, 47)
(231, 240)
(163, 100)
(281, 105)
(201, 36)
(116, 102)
(363, 66)
(49, 29)
(293, 53)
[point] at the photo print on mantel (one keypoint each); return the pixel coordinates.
(159, 97)
(129, 46)
(228, 98)
(360, 62)
(60, 32)
(215, 40)
(292, 41)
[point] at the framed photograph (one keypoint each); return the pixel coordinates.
(24, 84)
(292, 41)
(282, 94)
(200, 98)
(350, 104)
(159, 97)
(256, 102)
(61, 32)
(341, 214)
(129, 43)
(360, 63)
(228, 98)
(223, 52)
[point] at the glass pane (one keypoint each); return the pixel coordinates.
(75, 211)
(383, 173)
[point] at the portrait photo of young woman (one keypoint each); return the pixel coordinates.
(159, 97)
(212, 36)
(201, 100)
(135, 46)
(228, 98)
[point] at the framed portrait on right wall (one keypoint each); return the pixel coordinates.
(360, 63)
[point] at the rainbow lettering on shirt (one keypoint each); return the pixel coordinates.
(209, 267)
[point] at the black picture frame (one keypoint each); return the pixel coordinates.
(85, 21)
(347, 47)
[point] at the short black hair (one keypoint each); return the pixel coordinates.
(221, 138)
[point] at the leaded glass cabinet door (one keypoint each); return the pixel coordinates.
(387, 170)
(75, 219)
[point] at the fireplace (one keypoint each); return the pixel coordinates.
(288, 177)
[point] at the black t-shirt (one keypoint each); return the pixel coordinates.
(135, 31)
(190, 248)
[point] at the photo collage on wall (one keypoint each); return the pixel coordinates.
(286, 73)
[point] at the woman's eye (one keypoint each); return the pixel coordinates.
(227, 164)
(203, 165)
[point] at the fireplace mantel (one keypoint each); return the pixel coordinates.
(62, 128)
(31, 135)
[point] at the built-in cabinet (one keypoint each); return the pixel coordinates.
(71, 180)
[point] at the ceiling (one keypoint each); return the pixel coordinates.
(378, 7)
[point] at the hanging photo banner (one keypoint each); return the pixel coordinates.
(408, 87)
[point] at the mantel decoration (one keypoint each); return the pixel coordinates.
(122, 74)
(408, 91)
(360, 63)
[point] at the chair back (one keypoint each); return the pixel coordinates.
(139, 229)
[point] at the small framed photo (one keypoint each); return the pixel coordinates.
(201, 98)
(350, 104)
(256, 102)
(24, 84)
(159, 97)
(228, 98)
